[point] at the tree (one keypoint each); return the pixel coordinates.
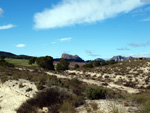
(76, 66)
(112, 62)
(89, 65)
(96, 63)
(32, 60)
(95, 93)
(2, 57)
(45, 62)
(3, 62)
(103, 63)
(62, 65)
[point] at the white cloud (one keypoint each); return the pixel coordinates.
(1, 12)
(146, 55)
(53, 42)
(20, 45)
(7, 26)
(123, 49)
(90, 53)
(139, 44)
(65, 39)
(146, 19)
(71, 12)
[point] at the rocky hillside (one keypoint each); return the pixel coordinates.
(121, 58)
(99, 59)
(123, 75)
(71, 57)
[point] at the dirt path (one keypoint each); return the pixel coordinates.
(110, 85)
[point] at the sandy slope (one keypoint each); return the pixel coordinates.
(11, 96)
(107, 106)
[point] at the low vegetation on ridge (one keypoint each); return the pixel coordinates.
(73, 93)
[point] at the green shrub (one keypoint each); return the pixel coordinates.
(51, 98)
(39, 86)
(45, 62)
(94, 106)
(74, 84)
(67, 107)
(89, 65)
(5, 63)
(96, 63)
(95, 93)
(29, 89)
(146, 107)
(76, 66)
(32, 60)
(62, 65)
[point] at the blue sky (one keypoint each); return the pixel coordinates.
(89, 28)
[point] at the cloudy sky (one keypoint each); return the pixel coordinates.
(89, 28)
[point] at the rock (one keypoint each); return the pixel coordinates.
(71, 57)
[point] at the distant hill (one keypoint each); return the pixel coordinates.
(69, 57)
(72, 58)
(7, 54)
(121, 58)
(130, 58)
(99, 59)
(11, 55)
(118, 58)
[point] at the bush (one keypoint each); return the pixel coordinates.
(67, 107)
(75, 85)
(89, 65)
(32, 60)
(76, 66)
(146, 107)
(94, 106)
(96, 63)
(103, 63)
(51, 98)
(62, 65)
(29, 89)
(111, 62)
(5, 63)
(95, 93)
(45, 62)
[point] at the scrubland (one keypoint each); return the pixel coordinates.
(118, 88)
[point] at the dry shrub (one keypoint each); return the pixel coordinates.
(48, 98)
(94, 106)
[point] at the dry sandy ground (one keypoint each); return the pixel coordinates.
(89, 81)
(107, 106)
(11, 96)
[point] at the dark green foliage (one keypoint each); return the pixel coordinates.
(103, 63)
(76, 66)
(52, 97)
(2, 57)
(45, 62)
(146, 106)
(32, 60)
(95, 93)
(3, 62)
(62, 65)
(29, 89)
(96, 63)
(74, 84)
(111, 62)
(89, 65)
